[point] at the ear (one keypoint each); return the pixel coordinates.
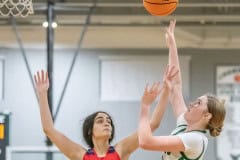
(208, 116)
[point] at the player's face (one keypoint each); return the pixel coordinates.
(102, 126)
(196, 110)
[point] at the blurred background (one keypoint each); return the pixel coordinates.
(100, 55)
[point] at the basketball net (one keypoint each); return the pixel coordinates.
(16, 8)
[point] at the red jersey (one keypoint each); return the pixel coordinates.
(111, 155)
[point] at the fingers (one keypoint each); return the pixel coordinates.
(167, 70)
(46, 76)
(35, 79)
(146, 88)
(172, 25)
(41, 76)
(167, 31)
(38, 76)
(153, 89)
(172, 72)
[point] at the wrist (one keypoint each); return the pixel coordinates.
(145, 104)
(42, 93)
(165, 86)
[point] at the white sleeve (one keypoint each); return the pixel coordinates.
(192, 142)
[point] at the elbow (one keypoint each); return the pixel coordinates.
(47, 130)
(144, 146)
(144, 143)
(154, 126)
(50, 133)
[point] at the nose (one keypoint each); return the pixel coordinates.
(191, 104)
(106, 123)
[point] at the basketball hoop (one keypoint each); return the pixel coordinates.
(16, 8)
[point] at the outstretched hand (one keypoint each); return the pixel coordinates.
(41, 81)
(169, 75)
(151, 93)
(169, 33)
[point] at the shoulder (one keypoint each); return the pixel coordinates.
(195, 145)
(193, 141)
(127, 145)
(89, 152)
(112, 154)
(111, 149)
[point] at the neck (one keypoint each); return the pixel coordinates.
(101, 147)
(195, 127)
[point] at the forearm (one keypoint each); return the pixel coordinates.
(173, 54)
(160, 109)
(144, 130)
(46, 117)
(174, 60)
(177, 101)
(69, 148)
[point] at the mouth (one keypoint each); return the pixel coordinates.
(106, 129)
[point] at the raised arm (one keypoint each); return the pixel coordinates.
(144, 130)
(176, 96)
(72, 150)
(129, 144)
(157, 115)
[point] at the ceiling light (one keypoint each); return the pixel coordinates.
(45, 24)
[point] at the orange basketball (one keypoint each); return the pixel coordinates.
(160, 7)
(237, 78)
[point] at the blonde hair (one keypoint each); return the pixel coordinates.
(217, 108)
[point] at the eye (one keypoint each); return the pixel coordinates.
(109, 121)
(195, 104)
(191, 104)
(99, 121)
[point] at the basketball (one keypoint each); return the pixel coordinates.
(160, 7)
(237, 78)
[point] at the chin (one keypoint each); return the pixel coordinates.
(186, 117)
(108, 135)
